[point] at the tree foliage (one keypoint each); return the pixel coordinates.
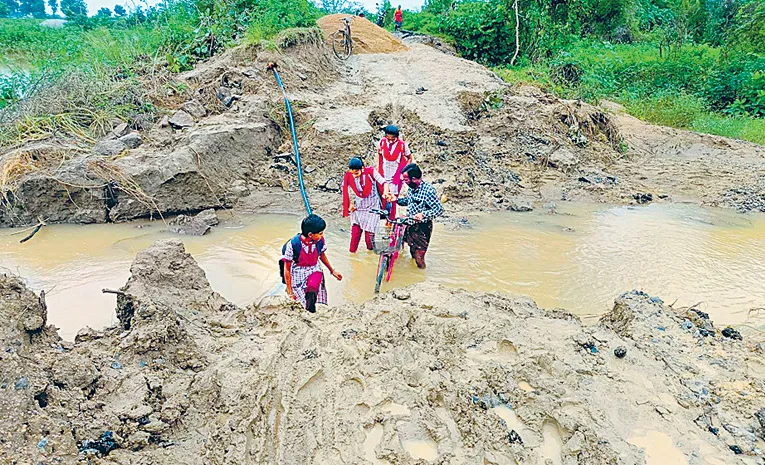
(74, 8)
(33, 8)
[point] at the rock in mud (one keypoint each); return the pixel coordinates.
(101, 446)
(119, 130)
(180, 120)
(138, 440)
(401, 294)
(226, 97)
(563, 159)
(620, 352)
(643, 198)
(194, 108)
(519, 206)
(238, 189)
(132, 140)
(87, 334)
(198, 225)
(732, 333)
(109, 147)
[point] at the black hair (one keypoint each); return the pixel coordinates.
(413, 171)
(356, 163)
(312, 224)
(392, 130)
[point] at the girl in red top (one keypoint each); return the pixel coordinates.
(398, 18)
(360, 197)
(392, 156)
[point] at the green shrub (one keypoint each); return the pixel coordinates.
(481, 31)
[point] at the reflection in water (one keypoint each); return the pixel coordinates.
(579, 259)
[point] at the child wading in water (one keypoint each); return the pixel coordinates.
(392, 156)
(302, 272)
(361, 181)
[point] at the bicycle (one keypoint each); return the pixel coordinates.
(342, 43)
(388, 242)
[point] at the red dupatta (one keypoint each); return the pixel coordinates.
(367, 182)
(393, 152)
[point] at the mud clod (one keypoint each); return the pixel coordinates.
(732, 333)
(102, 446)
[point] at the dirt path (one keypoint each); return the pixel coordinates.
(693, 167)
(421, 80)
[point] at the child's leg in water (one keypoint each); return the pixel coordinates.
(312, 290)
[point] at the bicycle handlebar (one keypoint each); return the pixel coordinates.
(385, 213)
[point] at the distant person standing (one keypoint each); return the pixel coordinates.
(398, 18)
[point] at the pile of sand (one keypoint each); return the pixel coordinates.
(367, 36)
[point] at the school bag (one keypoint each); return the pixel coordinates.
(297, 247)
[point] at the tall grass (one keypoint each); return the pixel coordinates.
(695, 87)
(75, 80)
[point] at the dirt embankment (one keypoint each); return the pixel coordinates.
(450, 376)
(484, 144)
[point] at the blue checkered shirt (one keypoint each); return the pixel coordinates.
(422, 200)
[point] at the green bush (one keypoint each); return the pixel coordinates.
(481, 31)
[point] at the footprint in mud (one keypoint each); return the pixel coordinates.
(393, 408)
(658, 449)
(513, 423)
(352, 390)
(525, 386)
(502, 351)
(373, 439)
(552, 443)
(416, 441)
(313, 386)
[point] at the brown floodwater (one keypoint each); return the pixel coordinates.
(580, 259)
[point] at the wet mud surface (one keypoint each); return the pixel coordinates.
(422, 373)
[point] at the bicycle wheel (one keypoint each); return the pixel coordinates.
(341, 45)
(380, 272)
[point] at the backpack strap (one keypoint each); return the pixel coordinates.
(297, 247)
(320, 246)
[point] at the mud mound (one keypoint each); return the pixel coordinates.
(427, 373)
(367, 36)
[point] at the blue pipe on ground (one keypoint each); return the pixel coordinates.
(272, 67)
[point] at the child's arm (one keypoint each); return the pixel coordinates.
(386, 187)
(332, 271)
(288, 279)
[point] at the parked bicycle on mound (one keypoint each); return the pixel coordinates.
(342, 42)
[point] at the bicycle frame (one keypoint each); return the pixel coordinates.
(388, 259)
(398, 235)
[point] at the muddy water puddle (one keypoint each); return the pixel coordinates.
(579, 258)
